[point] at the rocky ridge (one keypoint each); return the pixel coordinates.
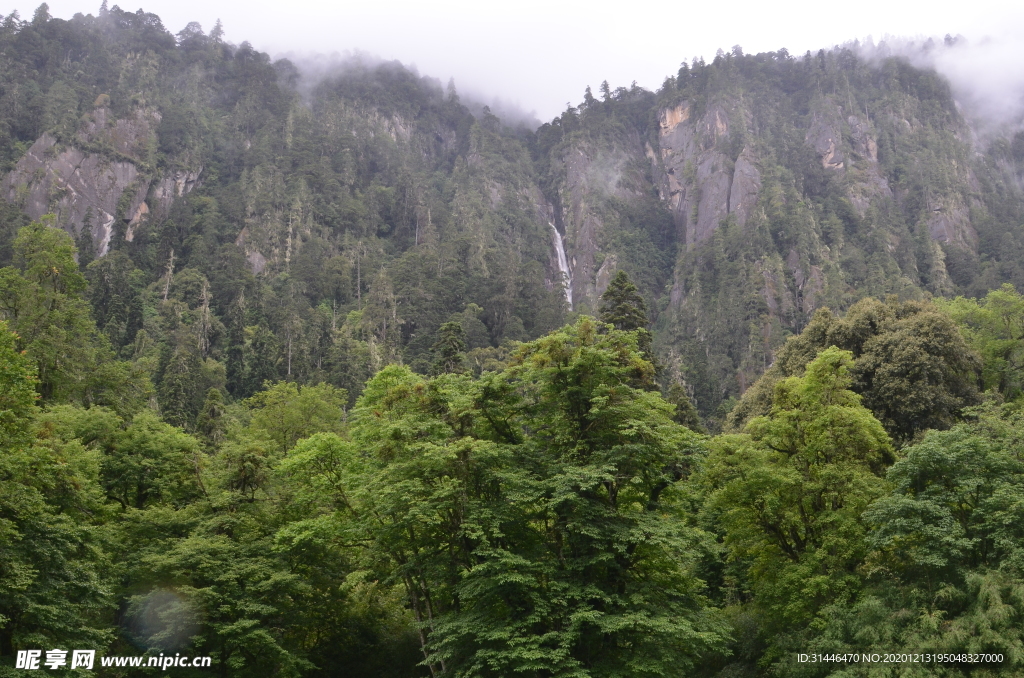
(100, 180)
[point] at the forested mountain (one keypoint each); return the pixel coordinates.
(346, 376)
(742, 196)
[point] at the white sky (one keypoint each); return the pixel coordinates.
(541, 54)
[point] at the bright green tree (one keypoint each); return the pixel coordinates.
(41, 299)
(945, 563)
(17, 391)
(286, 412)
(790, 494)
(151, 461)
(53, 590)
(530, 515)
(911, 364)
(995, 328)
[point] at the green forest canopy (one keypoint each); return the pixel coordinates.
(545, 517)
(399, 455)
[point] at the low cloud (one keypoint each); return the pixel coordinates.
(316, 68)
(984, 74)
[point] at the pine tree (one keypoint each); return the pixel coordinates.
(210, 424)
(261, 357)
(84, 242)
(624, 307)
(686, 413)
(235, 359)
(180, 395)
(449, 349)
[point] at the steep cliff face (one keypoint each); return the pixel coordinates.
(698, 179)
(790, 185)
(595, 178)
(788, 202)
(740, 197)
(101, 177)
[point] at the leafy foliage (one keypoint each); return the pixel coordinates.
(789, 495)
(218, 435)
(912, 365)
(551, 551)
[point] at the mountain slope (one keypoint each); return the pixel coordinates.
(791, 184)
(278, 236)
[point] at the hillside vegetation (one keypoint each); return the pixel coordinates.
(294, 375)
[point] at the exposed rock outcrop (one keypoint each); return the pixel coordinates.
(698, 179)
(172, 186)
(100, 180)
(865, 182)
(949, 222)
(593, 175)
(825, 135)
(746, 185)
(73, 184)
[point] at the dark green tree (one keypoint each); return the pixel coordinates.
(686, 414)
(116, 295)
(210, 424)
(181, 389)
(235, 351)
(261, 356)
(624, 307)
(918, 375)
(450, 349)
(84, 241)
(622, 304)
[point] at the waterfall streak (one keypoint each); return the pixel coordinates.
(563, 264)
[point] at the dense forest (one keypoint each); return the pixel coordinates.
(348, 377)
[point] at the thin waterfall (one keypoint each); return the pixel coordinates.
(563, 265)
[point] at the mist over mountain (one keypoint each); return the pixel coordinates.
(834, 175)
(992, 94)
(316, 68)
(318, 365)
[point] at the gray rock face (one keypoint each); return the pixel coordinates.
(746, 184)
(73, 183)
(808, 287)
(865, 181)
(950, 222)
(591, 176)
(700, 183)
(172, 186)
(825, 136)
(128, 137)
